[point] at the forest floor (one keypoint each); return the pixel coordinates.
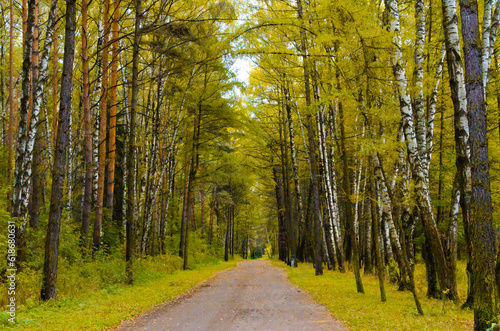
(253, 296)
(337, 292)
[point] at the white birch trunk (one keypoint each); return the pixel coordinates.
(419, 103)
(332, 207)
(293, 153)
(423, 198)
(486, 58)
(25, 170)
(495, 20)
(431, 114)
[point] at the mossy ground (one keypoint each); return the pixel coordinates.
(111, 305)
(337, 292)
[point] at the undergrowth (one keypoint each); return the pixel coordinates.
(93, 296)
(337, 292)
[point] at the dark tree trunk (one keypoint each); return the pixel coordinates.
(376, 236)
(481, 222)
(287, 195)
(228, 227)
(20, 195)
(212, 212)
(315, 197)
(316, 208)
(119, 187)
(232, 232)
(300, 222)
(431, 273)
(9, 140)
(87, 190)
(279, 202)
(59, 169)
(112, 141)
(185, 208)
(130, 245)
(202, 208)
(368, 256)
(348, 205)
(186, 234)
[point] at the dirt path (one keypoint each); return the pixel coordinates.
(253, 296)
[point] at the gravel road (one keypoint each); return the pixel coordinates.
(252, 296)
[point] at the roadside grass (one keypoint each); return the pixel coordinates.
(337, 292)
(109, 306)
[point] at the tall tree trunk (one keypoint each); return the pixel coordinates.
(112, 109)
(227, 218)
(481, 226)
(333, 178)
(430, 269)
(87, 190)
(24, 16)
(312, 151)
(329, 205)
(451, 240)
(418, 75)
(22, 173)
(348, 204)
(119, 184)
(368, 254)
(202, 207)
(102, 136)
(295, 168)
(10, 135)
(431, 107)
(458, 96)
(58, 171)
(192, 169)
(185, 205)
(212, 212)
(35, 54)
(55, 84)
(287, 195)
(488, 36)
(462, 148)
(37, 177)
(376, 234)
(131, 147)
(278, 187)
(440, 212)
(20, 195)
(34, 143)
(154, 227)
(232, 232)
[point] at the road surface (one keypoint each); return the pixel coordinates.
(252, 296)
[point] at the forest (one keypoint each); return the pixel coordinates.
(149, 137)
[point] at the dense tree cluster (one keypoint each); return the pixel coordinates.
(359, 100)
(122, 133)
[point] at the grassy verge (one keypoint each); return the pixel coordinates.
(109, 306)
(337, 292)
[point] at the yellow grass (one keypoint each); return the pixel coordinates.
(338, 293)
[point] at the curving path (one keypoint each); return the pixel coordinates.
(253, 296)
